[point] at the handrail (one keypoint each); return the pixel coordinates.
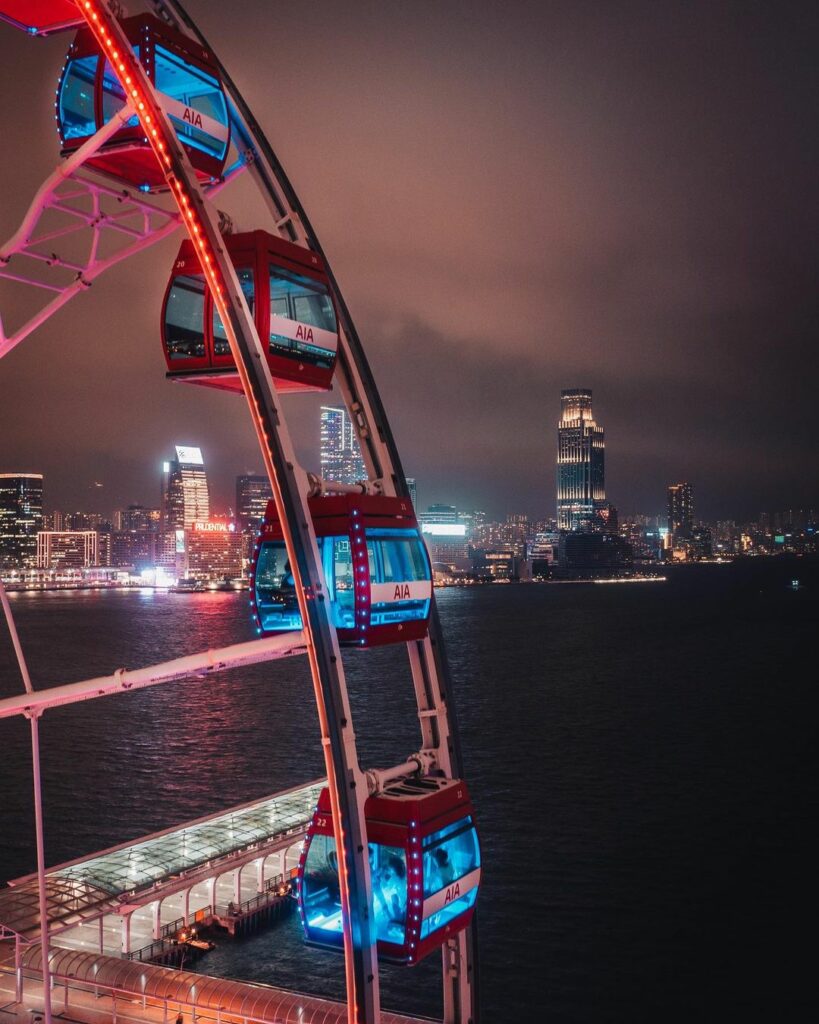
(172, 927)
(269, 894)
(146, 953)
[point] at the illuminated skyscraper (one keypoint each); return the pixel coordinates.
(252, 495)
(21, 518)
(340, 454)
(185, 498)
(412, 487)
(581, 482)
(680, 510)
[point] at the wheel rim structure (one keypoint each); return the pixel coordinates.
(347, 782)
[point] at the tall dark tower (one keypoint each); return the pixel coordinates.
(680, 510)
(581, 483)
(21, 517)
(252, 495)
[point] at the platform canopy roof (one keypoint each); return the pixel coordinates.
(239, 999)
(85, 889)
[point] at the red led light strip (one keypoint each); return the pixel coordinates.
(167, 149)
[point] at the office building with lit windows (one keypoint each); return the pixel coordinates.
(680, 510)
(340, 453)
(185, 498)
(21, 519)
(252, 495)
(581, 484)
(212, 551)
(67, 549)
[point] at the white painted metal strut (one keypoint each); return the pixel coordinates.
(107, 210)
(60, 194)
(206, 663)
(38, 807)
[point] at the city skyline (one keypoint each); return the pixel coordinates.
(227, 503)
(656, 251)
(337, 457)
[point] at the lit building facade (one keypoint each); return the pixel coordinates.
(67, 549)
(340, 453)
(137, 517)
(446, 544)
(79, 521)
(439, 514)
(212, 551)
(137, 548)
(185, 497)
(680, 510)
(581, 482)
(21, 519)
(252, 495)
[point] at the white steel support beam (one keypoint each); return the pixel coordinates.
(206, 663)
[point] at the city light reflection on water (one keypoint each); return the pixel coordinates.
(635, 754)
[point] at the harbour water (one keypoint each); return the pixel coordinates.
(640, 757)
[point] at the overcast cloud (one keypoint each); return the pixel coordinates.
(516, 198)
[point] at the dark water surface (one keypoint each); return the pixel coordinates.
(641, 757)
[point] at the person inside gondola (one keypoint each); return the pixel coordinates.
(287, 588)
(443, 871)
(287, 582)
(390, 895)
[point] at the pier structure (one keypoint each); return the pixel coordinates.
(133, 900)
(112, 913)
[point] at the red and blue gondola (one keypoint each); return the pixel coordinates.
(425, 866)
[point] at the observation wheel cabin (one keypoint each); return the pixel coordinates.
(188, 88)
(375, 563)
(425, 863)
(288, 293)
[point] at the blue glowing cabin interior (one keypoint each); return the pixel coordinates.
(375, 562)
(425, 866)
(288, 293)
(188, 89)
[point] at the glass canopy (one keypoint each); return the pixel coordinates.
(86, 889)
(169, 853)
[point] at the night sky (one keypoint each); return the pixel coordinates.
(516, 198)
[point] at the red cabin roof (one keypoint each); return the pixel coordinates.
(332, 513)
(430, 803)
(240, 241)
(40, 17)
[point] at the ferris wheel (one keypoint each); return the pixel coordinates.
(152, 129)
